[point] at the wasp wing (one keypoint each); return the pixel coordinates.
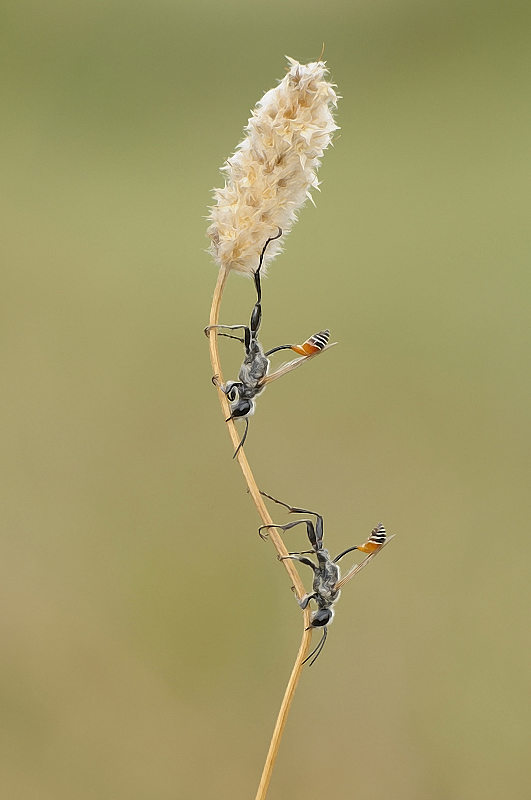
(358, 567)
(291, 365)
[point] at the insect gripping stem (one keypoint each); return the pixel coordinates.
(275, 538)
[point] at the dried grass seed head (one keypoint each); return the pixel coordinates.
(270, 175)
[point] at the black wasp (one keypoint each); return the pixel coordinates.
(254, 372)
(327, 581)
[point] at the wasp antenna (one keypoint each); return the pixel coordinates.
(244, 437)
(318, 650)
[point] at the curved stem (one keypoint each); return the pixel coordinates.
(274, 536)
(284, 710)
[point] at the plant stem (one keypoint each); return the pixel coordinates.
(274, 536)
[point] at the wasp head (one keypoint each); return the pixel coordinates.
(239, 406)
(321, 617)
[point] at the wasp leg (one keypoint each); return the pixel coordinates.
(319, 525)
(226, 327)
(350, 549)
(309, 528)
(257, 272)
(291, 509)
(256, 319)
(256, 316)
(318, 649)
(303, 602)
(228, 336)
(302, 560)
(280, 503)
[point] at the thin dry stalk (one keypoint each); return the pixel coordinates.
(277, 542)
(274, 537)
(267, 181)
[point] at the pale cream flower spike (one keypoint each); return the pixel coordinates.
(270, 175)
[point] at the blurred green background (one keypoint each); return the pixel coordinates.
(147, 632)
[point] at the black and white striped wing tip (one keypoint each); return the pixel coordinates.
(291, 365)
(358, 567)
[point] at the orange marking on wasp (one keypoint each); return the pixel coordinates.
(314, 344)
(305, 349)
(369, 547)
(375, 541)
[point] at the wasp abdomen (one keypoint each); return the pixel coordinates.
(378, 534)
(375, 540)
(314, 344)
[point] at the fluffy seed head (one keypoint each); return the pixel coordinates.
(269, 177)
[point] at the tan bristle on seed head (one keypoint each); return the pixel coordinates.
(270, 175)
